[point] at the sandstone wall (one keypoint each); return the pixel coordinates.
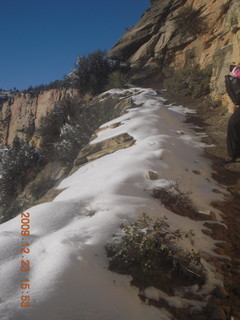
(155, 41)
(24, 111)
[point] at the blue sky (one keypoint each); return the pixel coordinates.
(41, 39)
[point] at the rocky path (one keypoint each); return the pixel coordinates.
(225, 302)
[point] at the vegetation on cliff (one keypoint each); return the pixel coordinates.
(92, 74)
(19, 165)
(189, 80)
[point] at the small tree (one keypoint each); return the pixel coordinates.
(190, 22)
(117, 79)
(19, 165)
(90, 74)
(189, 80)
(64, 130)
(148, 250)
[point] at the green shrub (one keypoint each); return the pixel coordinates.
(19, 165)
(29, 131)
(70, 125)
(189, 80)
(117, 79)
(49, 131)
(70, 142)
(91, 72)
(189, 22)
(149, 252)
(65, 130)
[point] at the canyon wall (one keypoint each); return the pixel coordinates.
(158, 40)
(24, 112)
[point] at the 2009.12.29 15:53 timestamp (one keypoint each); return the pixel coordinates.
(25, 262)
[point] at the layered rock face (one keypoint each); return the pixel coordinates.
(97, 150)
(157, 40)
(24, 112)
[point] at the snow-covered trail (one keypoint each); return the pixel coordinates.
(69, 277)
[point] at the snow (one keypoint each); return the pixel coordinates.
(69, 273)
(156, 294)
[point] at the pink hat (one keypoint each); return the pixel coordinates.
(236, 71)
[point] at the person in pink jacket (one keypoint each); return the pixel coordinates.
(233, 131)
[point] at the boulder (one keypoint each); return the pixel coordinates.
(94, 151)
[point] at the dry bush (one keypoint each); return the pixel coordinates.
(177, 201)
(148, 251)
(189, 80)
(189, 22)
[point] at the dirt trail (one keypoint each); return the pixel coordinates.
(225, 302)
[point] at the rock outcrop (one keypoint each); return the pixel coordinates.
(97, 150)
(23, 112)
(158, 40)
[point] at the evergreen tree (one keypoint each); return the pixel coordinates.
(91, 72)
